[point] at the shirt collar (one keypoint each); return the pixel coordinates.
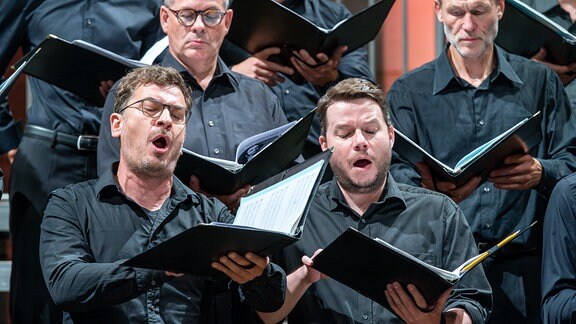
(107, 187)
(444, 74)
(222, 73)
(391, 192)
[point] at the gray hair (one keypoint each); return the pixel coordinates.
(168, 3)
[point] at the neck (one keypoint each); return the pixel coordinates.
(148, 192)
(201, 70)
(472, 69)
(359, 202)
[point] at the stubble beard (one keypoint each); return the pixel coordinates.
(350, 185)
(488, 41)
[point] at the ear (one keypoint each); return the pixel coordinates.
(228, 19)
(438, 11)
(391, 135)
(164, 19)
(116, 124)
(323, 142)
(500, 8)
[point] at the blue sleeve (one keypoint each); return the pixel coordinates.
(559, 254)
(12, 37)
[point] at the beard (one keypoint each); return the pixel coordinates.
(149, 166)
(488, 41)
(355, 186)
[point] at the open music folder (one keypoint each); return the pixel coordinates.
(271, 217)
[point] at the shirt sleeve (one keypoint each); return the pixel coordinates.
(108, 150)
(75, 281)
(559, 255)
(401, 109)
(13, 27)
(472, 293)
(559, 143)
(265, 293)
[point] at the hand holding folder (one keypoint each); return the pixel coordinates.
(343, 260)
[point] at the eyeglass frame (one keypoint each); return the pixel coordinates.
(187, 115)
(197, 13)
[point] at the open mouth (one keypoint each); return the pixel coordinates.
(362, 163)
(160, 142)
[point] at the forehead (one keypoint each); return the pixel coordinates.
(468, 3)
(199, 4)
(353, 111)
(166, 94)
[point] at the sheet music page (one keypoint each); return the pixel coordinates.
(280, 206)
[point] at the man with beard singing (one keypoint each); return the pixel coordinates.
(354, 120)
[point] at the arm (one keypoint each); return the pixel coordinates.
(74, 279)
(559, 255)
(567, 73)
(13, 36)
(297, 284)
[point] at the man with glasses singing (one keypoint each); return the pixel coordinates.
(229, 106)
(89, 228)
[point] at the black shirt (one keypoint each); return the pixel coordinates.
(423, 223)
(232, 108)
(90, 228)
(448, 118)
(298, 100)
(125, 27)
(559, 254)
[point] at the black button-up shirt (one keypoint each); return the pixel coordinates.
(125, 27)
(232, 108)
(298, 100)
(425, 224)
(559, 254)
(91, 227)
(448, 118)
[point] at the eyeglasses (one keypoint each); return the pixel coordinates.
(153, 108)
(187, 17)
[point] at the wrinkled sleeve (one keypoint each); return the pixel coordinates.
(265, 293)
(402, 116)
(12, 37)
(559, 256)
(108, 146)
(559, 143)
(473, 292)
(75, 282)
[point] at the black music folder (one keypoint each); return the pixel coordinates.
(523, 30)
(76, 66)
(257, 158)
(271, 217)
(518, 139)
(259, 24)
(368, 264)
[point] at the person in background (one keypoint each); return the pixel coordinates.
(363, 195)
(562, 12)
(90, 228)
(231, 107)
(298, 99)
(559, 254)
(58, 146)
(471, 93)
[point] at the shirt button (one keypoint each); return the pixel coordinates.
(486, 189)
(153, 282)
(365, 316)
(211, 123)
(286, 92)
(363, 221)
(487, 225)
(89, 21)
(481, 122)
(216, 151)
